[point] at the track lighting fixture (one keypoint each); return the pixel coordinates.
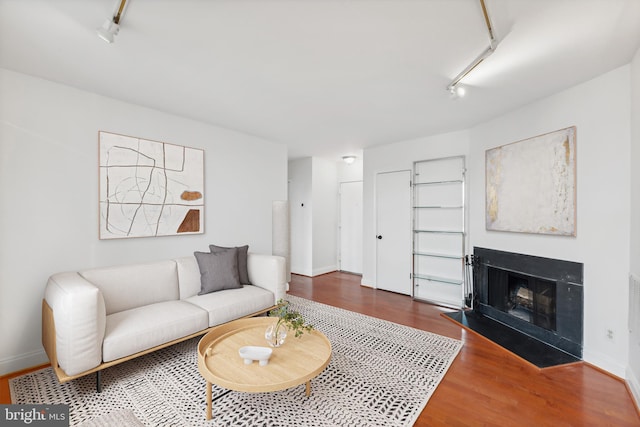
(111, 26)
(454, 87)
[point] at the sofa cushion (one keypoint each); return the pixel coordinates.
(218, 271)
(128, 332)
(188, 276)
(243, 253)
(227, 305)
(129, 286)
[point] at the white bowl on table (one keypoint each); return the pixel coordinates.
(250, 353)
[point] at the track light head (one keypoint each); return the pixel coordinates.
(457, 91)
(108, 31)
(111, 26)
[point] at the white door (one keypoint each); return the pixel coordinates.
(393, 231)
(351, 227)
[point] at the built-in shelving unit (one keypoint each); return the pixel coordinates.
(439, 230)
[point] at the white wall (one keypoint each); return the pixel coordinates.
(600, 109)
(352, 172)
(325, 216)
(395, 157)
(352, 250)
(633, 372)
(49, 189)
(301, 206)
(313, 196)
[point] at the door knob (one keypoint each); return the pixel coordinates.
(379, 237)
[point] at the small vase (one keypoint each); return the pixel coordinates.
(276, 334)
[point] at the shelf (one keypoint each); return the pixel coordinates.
(439, 215)
(437, 255)
(441, 303)
(437, 207)
(455, 181)
(438, 279)
(439, 231)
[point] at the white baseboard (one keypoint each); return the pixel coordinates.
(365, 281)
(634, 385)
(301, 271)
(314, 272)
(22, 361)
(324, 270)
(605, 363)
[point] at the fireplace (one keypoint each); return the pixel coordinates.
(539, 297)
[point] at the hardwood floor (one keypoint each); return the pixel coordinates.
(5, 394)
(486, 385)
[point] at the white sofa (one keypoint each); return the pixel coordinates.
(97, 318)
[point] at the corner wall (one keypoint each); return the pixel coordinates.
(49, 188)
(300, 205)
(600, 109)
(633, 370)
(325, 216)
(313, 197)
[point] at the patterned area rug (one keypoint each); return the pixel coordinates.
(121, 418)
(380, 374)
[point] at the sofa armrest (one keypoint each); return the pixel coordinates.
(79, 321)
(268, 272)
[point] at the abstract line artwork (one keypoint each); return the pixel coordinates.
(149, 188)
(531, 185)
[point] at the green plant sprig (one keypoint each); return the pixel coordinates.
(292, 319)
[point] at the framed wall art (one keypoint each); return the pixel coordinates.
(149, 188)
(531, 185)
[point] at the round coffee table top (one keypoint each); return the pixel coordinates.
(294, 363)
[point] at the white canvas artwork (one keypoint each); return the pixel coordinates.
(531, 185)
(149, 188)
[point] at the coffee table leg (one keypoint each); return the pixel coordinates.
(209, 401)
(307, 390)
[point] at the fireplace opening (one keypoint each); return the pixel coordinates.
(527, 298)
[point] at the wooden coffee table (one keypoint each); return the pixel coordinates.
(294, 363)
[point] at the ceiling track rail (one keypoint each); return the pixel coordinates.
(493, 44)
(118, 15)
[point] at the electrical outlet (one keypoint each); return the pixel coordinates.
(610, 334)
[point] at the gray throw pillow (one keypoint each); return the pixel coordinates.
(218, 271)
(243, 271)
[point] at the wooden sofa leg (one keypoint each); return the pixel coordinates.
(99, 381)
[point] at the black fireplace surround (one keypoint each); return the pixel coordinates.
(540, 297)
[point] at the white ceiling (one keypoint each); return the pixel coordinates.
(325, 77)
